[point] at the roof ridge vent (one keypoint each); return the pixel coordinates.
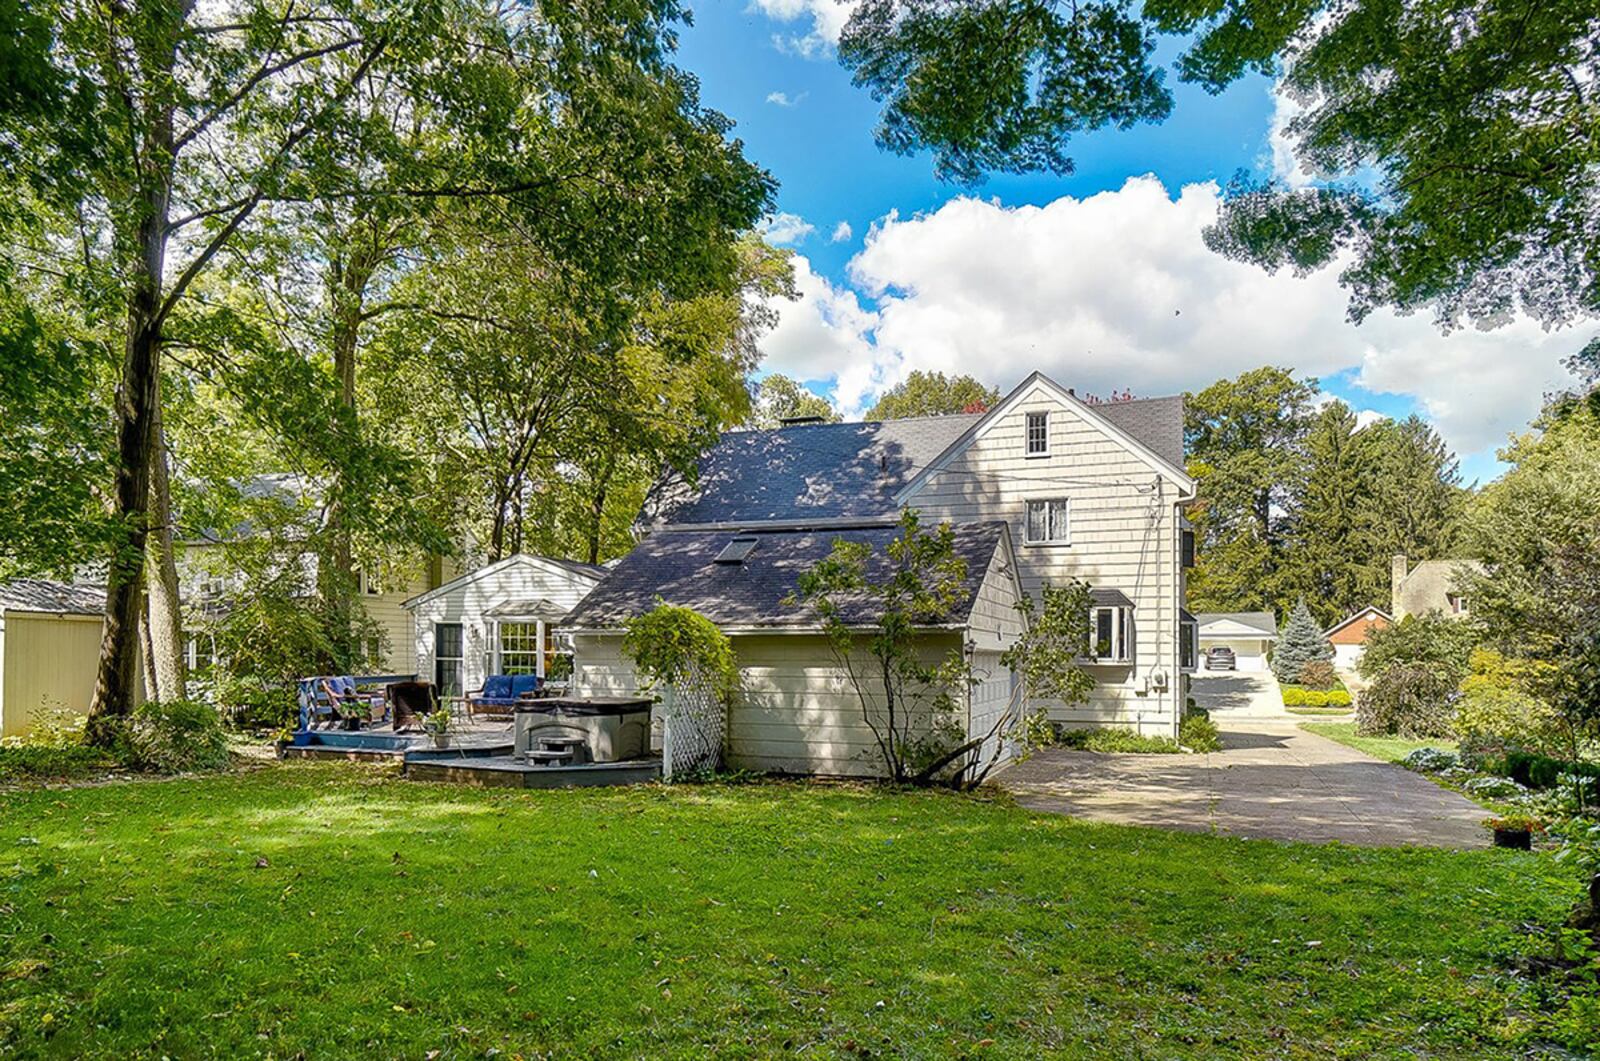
(801, 421)
(738, 549)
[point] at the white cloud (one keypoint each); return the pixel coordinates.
(826, 18)
(783, 99)
(1280, 145)
(841, 233)
(825, 336)
(1117, 290)
(1368, 417)
(786, 230)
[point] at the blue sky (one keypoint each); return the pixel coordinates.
(1096, 277)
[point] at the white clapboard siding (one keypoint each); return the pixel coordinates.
(469, 599)
(1124, 536)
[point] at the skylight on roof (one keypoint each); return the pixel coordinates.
(737, 551)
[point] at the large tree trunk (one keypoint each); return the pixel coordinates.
(347, 282)
(116, 684)
(164, 612)
(138, 399)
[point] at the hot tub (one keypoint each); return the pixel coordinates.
(610, 728)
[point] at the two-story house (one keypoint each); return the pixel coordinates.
(1042, 487)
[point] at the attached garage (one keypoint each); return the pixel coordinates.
(797, 709)
(1249, 634)
(49, 650)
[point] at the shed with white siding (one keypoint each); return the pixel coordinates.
(499, 619)
(49, 650)
(798, 710)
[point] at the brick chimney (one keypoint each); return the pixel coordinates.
(1397, 575)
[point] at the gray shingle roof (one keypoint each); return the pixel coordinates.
(1265, 622)
(55, 598)
(833, 471)
(1157, 422)
(680, 568)
(809, 471)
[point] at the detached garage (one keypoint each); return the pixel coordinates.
(1349, 638)
(49, 649)
(1249, 634)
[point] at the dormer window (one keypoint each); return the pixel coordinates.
(1038, 435)
(737, 551)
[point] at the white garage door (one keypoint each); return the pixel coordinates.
(1249, 653)
(991, 697)
(1345, 657)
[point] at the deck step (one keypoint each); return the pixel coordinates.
(575, 747)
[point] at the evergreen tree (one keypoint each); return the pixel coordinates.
(1329, 550)
(1301, 642)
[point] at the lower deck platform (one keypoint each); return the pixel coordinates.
(506, 771)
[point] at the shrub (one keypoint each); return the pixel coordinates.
(174, 737)
(1036, 731)
(1294, 696)
(1301, 642)
(1338, 698)
(1408, 700)
(1116, 740)
(1199, 734)
(1496, 716)
(1430, 760)
(1492, 787)
(50, 762)
(1318, 674)
(1428, 640)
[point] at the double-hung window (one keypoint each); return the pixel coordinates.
(1038, 435)
(1049, 522)
(520, 647)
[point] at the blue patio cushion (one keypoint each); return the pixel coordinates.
(344, 685)
(524, 683)
(498, 687)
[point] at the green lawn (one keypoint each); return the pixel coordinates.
(1393, 749)
(334, 911)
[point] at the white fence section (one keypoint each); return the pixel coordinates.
(694, 725)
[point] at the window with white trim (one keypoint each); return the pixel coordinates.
(1038, 434)
(1188, 645)
(1049, 522)
(1111, 634)
(520, 648)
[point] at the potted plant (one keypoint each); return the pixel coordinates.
(437, 725)
(1514, 831)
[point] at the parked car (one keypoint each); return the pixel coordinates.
(1220, 657)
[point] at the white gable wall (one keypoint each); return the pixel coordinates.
(469, 599)
(1125, 535)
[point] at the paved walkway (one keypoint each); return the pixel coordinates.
(1231, 695)
(1271, 780)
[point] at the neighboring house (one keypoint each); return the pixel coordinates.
(206, 576)
(1075, 490)
(1430, 586)
(49, 649)
(1249, 634)
(1349, 637)
(499, 619)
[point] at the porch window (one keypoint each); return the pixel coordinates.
(1049, 522)
(448, 653)
(1111, 631)
(1188, 644)
(1038, 435)
(520, 647)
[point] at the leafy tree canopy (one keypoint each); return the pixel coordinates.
(933, 394)
(1473, 125)
(779, 398)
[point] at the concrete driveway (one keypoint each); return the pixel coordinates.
(1271, 780)
(1239, 695)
